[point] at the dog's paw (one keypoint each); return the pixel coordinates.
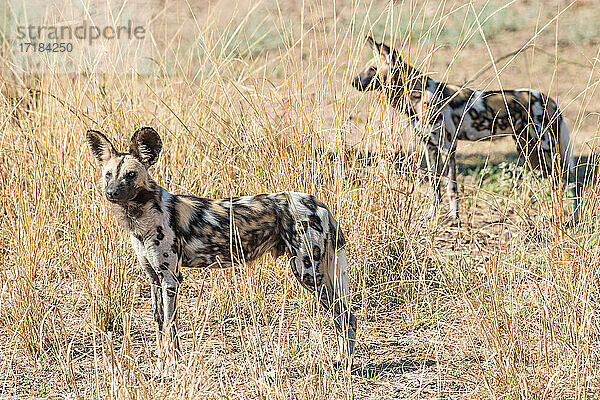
(157, 374)
(455, 222)
(344, 365)
(451, 221)
(161, 373)
(571, 223)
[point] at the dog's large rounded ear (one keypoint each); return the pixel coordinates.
(382, 50)
(379, 49)
(145, 145)
(101, 147)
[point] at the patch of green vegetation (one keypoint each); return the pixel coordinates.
(502, 178)
(109, 313)
(474, 24)
(458, 267)
(580, 25)
(256, 35)
(41, 389)
(592, 234)
(451, 27)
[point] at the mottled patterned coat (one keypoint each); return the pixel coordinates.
(170, 231)
(444, 113)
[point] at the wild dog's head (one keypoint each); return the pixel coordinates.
(378, 70)
(387, 70)
(125, 175)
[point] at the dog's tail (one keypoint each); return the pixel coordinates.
(337, 277)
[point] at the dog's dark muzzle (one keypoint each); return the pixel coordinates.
(118, 194)
(357, 83)
(364, 83)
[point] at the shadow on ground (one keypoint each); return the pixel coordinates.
(372, 370)
(467, 164)
(586, 166)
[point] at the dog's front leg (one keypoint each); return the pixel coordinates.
(166, 263)
(452, 188)
(157, 303)
(433, 170)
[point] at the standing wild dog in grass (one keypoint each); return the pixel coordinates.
(169, 231)
(445, 113)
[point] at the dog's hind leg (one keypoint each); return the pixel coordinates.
(323, 271)
(332, 293)
(555, 159)
(316, 245)
(345, 321)
(336, 280)
(576, 192)
(570, 172)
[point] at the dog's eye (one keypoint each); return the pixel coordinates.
(108, 175)
(131, 175)
(415, 95)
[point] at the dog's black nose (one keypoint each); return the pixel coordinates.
(111, 193)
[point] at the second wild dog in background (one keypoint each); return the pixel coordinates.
(445, 113)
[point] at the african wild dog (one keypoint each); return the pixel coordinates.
(445, 113)
(169, 231)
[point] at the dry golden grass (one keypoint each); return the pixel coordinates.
(504, 307)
